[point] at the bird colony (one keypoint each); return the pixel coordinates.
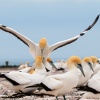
(80, 76)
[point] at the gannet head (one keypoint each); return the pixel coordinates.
(27, 63)
(98, 61)
(89, 62)
(50, 62)
(38, 61)
(75, 61)
(94, 60)
(43, 43)
(22, 66)
(59, 61)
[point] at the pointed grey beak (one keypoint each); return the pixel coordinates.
(81, 69)
(52, 64)
(47, 70)
(98, 61)
(90, 66)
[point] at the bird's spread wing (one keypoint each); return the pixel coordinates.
(24, 39)
(63, 43)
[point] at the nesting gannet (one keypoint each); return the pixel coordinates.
(94, 79)
(88, 70)
(97, 67)
(23, 66)
(92, 87)
(59, 65)
(43, 48)
(48, 66)
(62, 83)
(18, 81)
(94, 61)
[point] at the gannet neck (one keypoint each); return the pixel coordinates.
(94, 60)
(38, 61)
(87, 62)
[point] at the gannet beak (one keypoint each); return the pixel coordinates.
(90, 66)
(98, 61)
(81, 69)
(52, 64)
(47, 70)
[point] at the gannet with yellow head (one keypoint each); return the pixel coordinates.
(61, 84)
(96, 64)
(21, 81)
(23, 66)
(43, 48)
(94, 60)
(88, 70)
(92, 86)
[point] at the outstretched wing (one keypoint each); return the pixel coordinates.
(24, 39)
(65, 42)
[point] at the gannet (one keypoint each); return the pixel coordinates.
(17, 81)
(88, 70)
(43, 48)
(92, 87)
(48, 66)
(97, 67)
(94, 61)
(23, 66)
(59, 65)
(62, 83)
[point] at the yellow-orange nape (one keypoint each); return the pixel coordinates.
(49, 59)
(87, 59)
(94, 59)
(38, 61)
(42, 43)
(73, 60)
(32, 72)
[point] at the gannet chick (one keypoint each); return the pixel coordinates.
(62, 83)
(88, 70)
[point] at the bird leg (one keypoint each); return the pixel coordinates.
(56, 98)
(64, 97)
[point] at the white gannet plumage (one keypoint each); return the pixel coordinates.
(88, 70)
(62, 83)
(92, 87)
(43, 48)
(18, 81)
(22, 66)
(97, 67)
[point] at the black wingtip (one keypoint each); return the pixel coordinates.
(82, 34)
(95, 21)
(4, 26)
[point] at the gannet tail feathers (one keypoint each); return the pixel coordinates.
(8, 79)
(88, 89)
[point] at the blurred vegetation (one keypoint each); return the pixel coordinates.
(8, 66)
